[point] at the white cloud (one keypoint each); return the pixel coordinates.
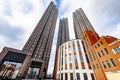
(7, 42)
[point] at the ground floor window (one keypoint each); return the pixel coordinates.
(66, 76)
(9, 70)
(78, 76)
(32, 73)
(71, 76)
(62, 76)
(85, 76)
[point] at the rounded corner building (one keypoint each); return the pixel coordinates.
(72, 62)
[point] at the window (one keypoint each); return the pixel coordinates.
(85, 76)
(101, 42)
(70, 65)
(78, 76)
(92, 76)
(86, 45)
(99, 55)
(93, 55)
(108, 64)
(62, 76)
(90, 57)
(93, 66)
(102, 53)
(103, 65)
(70, 59)
(97, 66)
(88, 42)
(106, 51)
(79, 50)
(76, 66)
(98, 45)
(65, 66)
(83, 65)
(81, 58)
(62, 60)
(116, 50)
(66, 77)
(71, 76)
(112, 61)
(75, 60)
(65, 60)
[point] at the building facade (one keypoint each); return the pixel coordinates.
(72, 63)
(33, 59)
(103, 52)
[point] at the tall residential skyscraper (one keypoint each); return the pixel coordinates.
(63, 36)
(81, 23)
(63, 33)
(103, 52)
(34, 57)
(40, 41)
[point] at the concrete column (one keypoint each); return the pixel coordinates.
(25, 66)
(2, 55)
(41, 70)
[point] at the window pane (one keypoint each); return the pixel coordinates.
(66, 76)
(81, 58)
(103, 64)
(106, 51)
(117, 50)
(62, 76)
(112, 61)
(78, 76)
(102, 52)
(85, 76)
(99, 55)
(108, 64)
(71, 76)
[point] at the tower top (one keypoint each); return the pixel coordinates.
(81, 23)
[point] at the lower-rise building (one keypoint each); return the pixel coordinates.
(72, 62)
(104, 54)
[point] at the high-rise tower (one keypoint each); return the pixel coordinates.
(81, 23)
(40, 41)
(63, 36)
(63, 33)
(34, 57)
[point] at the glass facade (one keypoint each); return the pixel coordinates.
(32, 73)
(9, 70)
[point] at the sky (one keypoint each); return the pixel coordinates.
(18, 19)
